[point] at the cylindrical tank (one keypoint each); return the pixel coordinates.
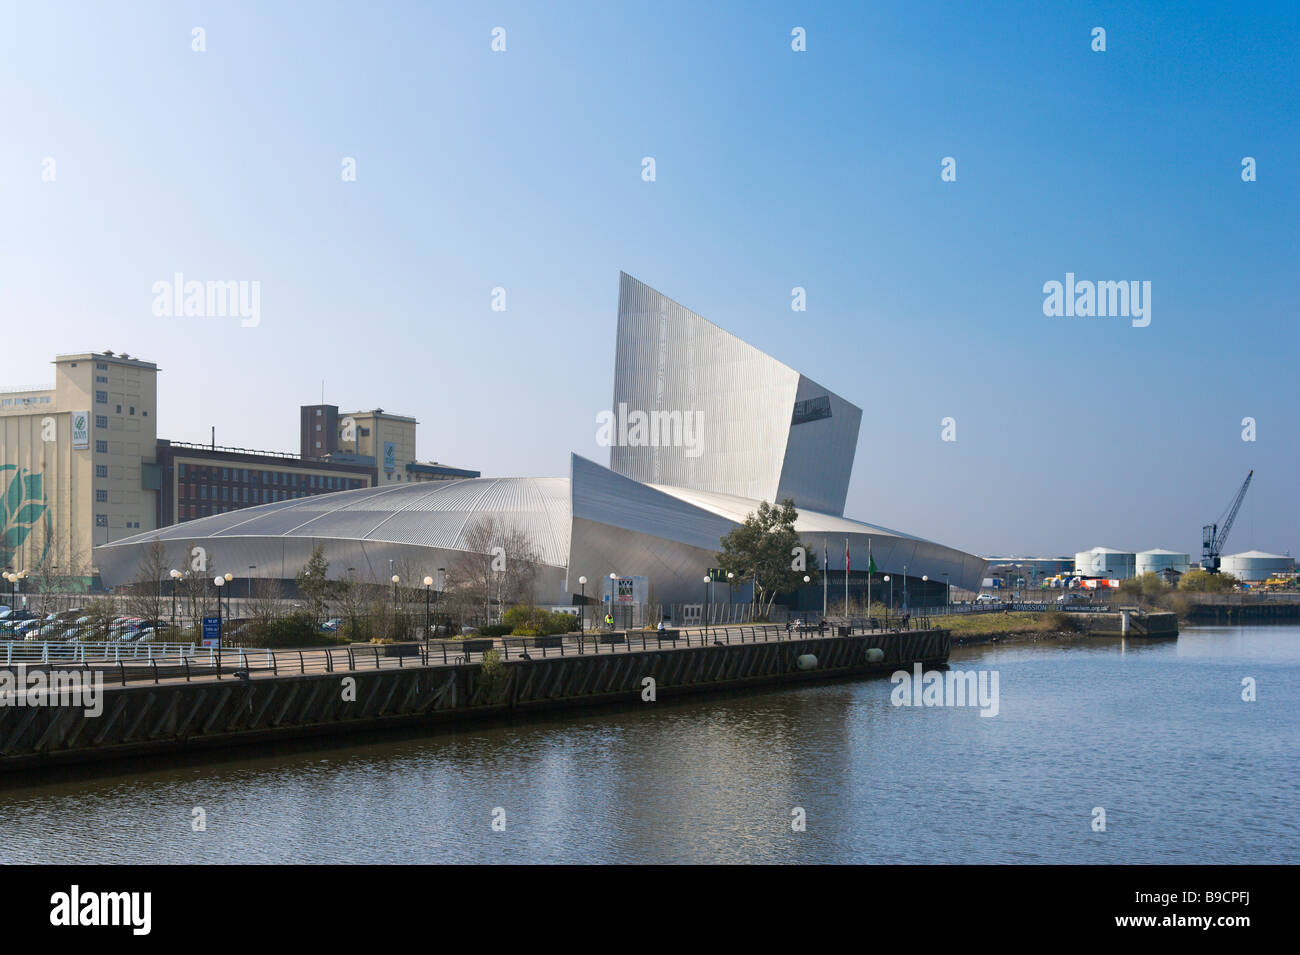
(1255, 565)
(807, 661)
(1105, 562)
(1154, 561)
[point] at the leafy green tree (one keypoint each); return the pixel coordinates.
(766, 550)
(1200, 581)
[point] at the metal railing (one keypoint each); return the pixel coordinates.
(184, 662)
(47, 651)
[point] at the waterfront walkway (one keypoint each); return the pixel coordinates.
(239, 664)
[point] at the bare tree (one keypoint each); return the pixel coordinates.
(147, 595)
(497, 567)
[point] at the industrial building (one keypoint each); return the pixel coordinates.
(82, 463)
(1105, 562)
(77, 461)
(1256, 565)
(738, 427)
(1157, 560)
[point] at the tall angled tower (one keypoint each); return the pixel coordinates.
(764, 430)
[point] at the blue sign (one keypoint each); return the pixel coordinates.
(212, 631)
(390, 456)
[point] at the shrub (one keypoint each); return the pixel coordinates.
(494, 630)
(295, 630)
(528, 621)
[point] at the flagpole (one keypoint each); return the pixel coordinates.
(825, 554)
(846, 576)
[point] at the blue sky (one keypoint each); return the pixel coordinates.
(775, 169)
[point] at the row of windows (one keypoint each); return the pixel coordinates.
(23, 402)
(244, 495)
(245, 476)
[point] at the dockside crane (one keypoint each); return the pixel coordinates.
(1213, 536)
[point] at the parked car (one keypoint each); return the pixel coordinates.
(332, 625)
(1072, 597)
(984, 599)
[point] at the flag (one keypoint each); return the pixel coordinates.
(872, 568)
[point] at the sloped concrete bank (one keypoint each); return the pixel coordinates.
(179, 717)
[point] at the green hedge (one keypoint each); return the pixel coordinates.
(526, 621)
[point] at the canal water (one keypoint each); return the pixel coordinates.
(1155, 734)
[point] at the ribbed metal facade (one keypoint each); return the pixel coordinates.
(672, 361)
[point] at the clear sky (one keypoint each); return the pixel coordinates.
(821, 169)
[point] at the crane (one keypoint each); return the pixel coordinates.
(1213, 536)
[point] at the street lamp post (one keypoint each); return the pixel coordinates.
(925, 579)
(582, 609)
(613, 585)
(175, 576)
(229, 594)
(428, 594)
(904, 588)
(219, 582)
(708, 605)
(947, 594)
(890, 613)
(251, 568)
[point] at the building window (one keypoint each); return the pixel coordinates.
(225, 474)
(101, 421)
(133, 409)
(119, 409)
(101, 520)
(99, 364)
(101, 397)
(101, 470)
(101, 496)
(180, 471)
(101, 447)
(101, 379)
(203, 492)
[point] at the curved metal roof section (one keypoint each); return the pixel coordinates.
(808, 522)
(422, 514)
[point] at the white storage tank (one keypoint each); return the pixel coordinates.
(1105, 562)
(1154, 561)
(1256, 565)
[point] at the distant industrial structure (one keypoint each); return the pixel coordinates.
(81, 465)
(1253, 566)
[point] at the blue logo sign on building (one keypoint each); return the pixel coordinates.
(390, 456)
